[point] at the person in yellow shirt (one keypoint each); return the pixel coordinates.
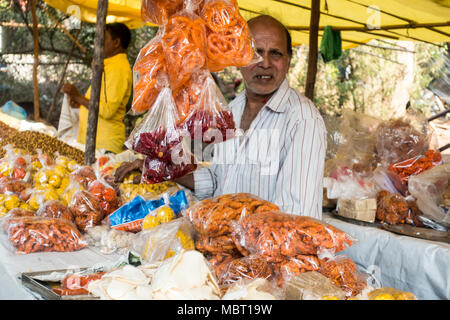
(117, 81)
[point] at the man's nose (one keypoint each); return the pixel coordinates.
(266, 62)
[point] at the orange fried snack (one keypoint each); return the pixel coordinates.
(184, 42)
(149, 68)
(228, 36)
(159, 11)
(187, 96)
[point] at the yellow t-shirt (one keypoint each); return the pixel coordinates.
(116, 88)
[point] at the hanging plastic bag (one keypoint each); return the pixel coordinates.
(149, 75)
(68, 121)
(229, 42)
(210, 120)
(159, 11)
(184, 40)
(167, 151)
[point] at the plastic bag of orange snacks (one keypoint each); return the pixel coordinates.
(150, 75)
(278, 236)
(183, 41)
(160, 11)
(213, 216)
(229, 42)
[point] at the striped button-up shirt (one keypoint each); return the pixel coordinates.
(280, 158)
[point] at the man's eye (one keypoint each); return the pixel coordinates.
(276, 54)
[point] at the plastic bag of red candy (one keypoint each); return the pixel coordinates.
(165, 146)
(210, 119)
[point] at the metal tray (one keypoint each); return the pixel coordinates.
(402, 229)
(43, 288)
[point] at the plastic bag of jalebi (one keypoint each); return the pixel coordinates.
(184, 43)
(228, 38)
(150, 75)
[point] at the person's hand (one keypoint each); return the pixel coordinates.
(73, 103)
(70, 90)
(127, 167)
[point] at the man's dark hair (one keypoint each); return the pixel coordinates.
(121, 31)
(288, 35)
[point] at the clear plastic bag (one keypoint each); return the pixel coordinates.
(401, 171)
(15, 165)
(38, 234)
(278, 236)
(250, 267)
(86, 210)
(401, 139)
(154, 244)
(428, 188)
(184, 41)
(83, 176)
(228, 42)
(393, 208)
(158, 137)
(149, 75)
(210, 120)
(220, 245)
(344, 273)
(159, 11)
(213, 216)
(109, 200)
(55, 209)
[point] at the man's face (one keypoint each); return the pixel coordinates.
(265, 77)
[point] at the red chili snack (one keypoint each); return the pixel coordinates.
(212, 217)
(38, 234)
(393, 208)
(278, 236)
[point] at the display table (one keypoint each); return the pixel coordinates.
(402, 262)
(405, 263)
(12, 265)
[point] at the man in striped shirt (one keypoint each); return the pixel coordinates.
(280, 155)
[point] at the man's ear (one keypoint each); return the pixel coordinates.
(117, 43)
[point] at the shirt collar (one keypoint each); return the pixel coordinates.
(114, 58)
(277, 101)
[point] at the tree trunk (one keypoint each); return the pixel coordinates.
(36, 60)
(97, 71)
(313, 49)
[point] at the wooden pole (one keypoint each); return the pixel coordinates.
(97, 71)
(61, 81)
(313, 49)
(36, 60)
